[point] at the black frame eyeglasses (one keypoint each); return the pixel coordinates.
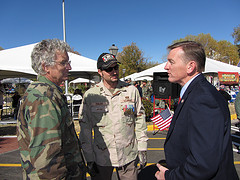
(111, 68)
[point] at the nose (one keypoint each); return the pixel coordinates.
(166, 66)
(114, 71)
(69, 67)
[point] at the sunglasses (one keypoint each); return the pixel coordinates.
(111, 68)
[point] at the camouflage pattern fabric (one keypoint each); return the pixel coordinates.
(147, 92)
(47, 140)
(118, 122)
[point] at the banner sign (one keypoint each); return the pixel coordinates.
(228, 77)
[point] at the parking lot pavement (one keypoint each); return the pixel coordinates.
(10, 167)
(10, 161)
(8, 143)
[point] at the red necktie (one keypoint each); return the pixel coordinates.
(179, 100)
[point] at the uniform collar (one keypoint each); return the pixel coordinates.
(119, 88)
(46, 80)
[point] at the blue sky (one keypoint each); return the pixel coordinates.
(92, 26)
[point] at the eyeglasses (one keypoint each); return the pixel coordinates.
(111, 68)
(64, 63)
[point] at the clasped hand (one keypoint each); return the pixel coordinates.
(160, 175)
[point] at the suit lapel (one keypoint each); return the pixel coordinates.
(175, 117)
(181, 103)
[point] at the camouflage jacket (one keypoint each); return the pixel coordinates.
(118, 123)
(47, 140)
(147, 92)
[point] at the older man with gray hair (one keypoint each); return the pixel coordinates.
(48, 144)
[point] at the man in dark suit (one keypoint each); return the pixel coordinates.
(198, 143)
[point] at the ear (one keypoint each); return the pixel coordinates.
(100, 72)
(44, 67)
(191, 67)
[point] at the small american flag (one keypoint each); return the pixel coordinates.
(163, 119)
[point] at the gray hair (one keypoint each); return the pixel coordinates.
(45, 52)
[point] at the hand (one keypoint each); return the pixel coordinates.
(92, 168)
(142, 155)
(160, 175)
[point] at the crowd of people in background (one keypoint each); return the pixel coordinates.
(11, 95)
(15, 104)
(144, 87)
(2, 92)
(14, 94)
(9, 99)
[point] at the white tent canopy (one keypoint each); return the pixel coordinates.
(16, 62)
(135, 77)
(82, 66)
(16, 80)
(81, 80)
(211, 66)
(132, 76)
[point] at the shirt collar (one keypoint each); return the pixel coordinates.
(184, 88)
(46, 80)
(117, 90)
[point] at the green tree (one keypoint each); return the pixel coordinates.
(236, 34)
(132, 60)
(151, 64)
(1, 48)
(206, 40)
(228, 52)
(222, 50)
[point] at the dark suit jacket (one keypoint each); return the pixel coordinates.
(198, 143)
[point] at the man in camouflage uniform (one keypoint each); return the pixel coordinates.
(47, 140)
(146, 90)
(114, 111)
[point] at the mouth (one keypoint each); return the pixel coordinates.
(67, 74)
(114, 77)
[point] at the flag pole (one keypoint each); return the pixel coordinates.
(64, 39)
(158, 120)
(155, 132)
(64, 25)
